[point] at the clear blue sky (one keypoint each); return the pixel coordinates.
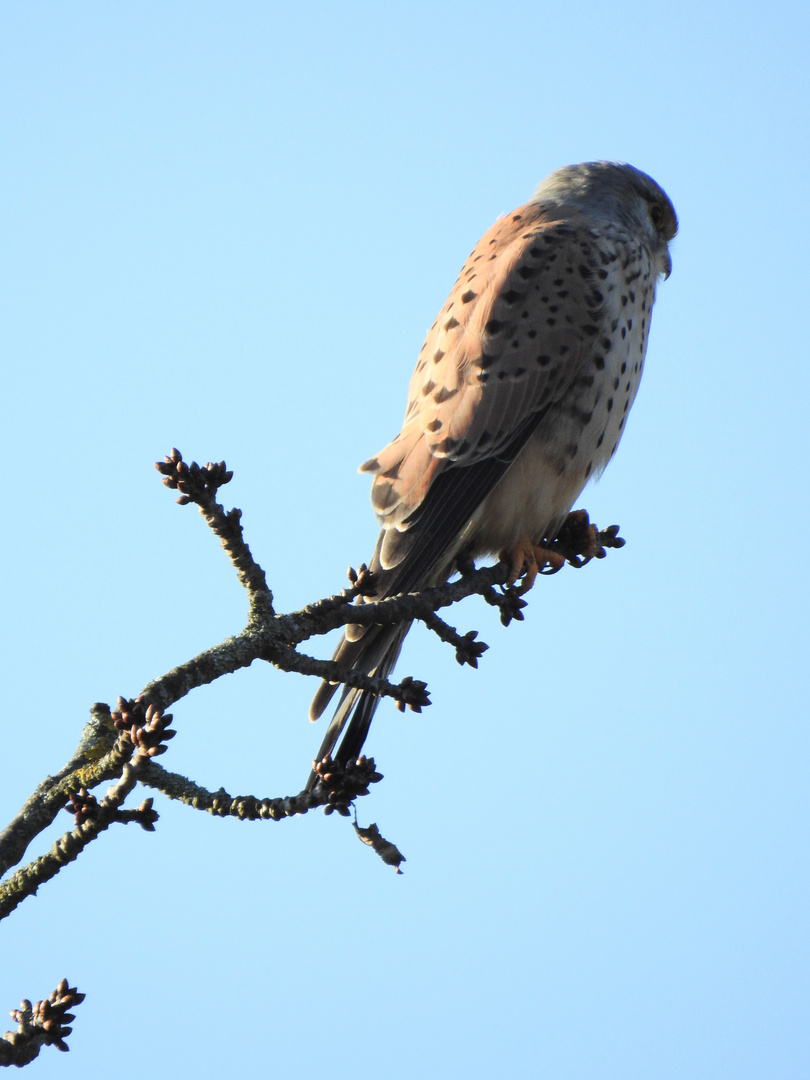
(226, 228)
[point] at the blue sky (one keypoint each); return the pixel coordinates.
(226, 228)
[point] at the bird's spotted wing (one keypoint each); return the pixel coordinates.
(521, 324)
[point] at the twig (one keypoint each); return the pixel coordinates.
(351, 782)
(409, 692)
(43, 1024)
(468, 650)
(199, 484)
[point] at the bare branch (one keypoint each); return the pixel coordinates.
(93, 762)
(43, 1024)
(354, 780)
(145, 729)
(121, 744)
(199, 484)
(468, 650)
(410, 692)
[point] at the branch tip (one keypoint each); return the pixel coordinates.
(44, 1024)
(342, 784)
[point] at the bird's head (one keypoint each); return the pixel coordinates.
(618, 192)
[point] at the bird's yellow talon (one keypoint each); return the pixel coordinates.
(527, 560)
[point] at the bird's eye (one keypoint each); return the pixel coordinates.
(657, 215)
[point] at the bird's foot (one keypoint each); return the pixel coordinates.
(527, 560)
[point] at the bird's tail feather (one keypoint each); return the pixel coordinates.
(373, 654)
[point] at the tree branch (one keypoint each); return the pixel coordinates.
(144, 728)
(354, 780)
(121, 744)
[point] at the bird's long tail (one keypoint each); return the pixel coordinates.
(375, 653)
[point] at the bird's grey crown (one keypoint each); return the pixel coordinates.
(601, 189)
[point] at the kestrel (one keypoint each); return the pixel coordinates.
(520, 396)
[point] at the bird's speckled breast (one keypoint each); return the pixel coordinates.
(579, 432)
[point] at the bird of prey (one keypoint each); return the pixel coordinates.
(520, 395)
